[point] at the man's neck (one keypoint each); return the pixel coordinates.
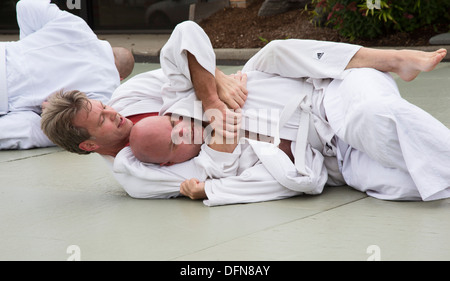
(113, 154)
(112, 151)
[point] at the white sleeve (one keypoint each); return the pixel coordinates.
(140, 94)
(255, 184)
(218, 164)
(296, 58)
(32, 15)
(149, 180)
(22, 130)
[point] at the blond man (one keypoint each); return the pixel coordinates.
(109, 127)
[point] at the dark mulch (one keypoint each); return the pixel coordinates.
(243, 28)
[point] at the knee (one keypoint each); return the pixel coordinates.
(376, 83)
(186, 26)
(374, 111)
(275, 46)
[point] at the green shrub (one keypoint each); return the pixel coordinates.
(367, 19)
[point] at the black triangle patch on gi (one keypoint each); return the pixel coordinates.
(320, 55)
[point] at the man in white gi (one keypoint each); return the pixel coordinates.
(56, 50)
(151, 181)
(359, 119)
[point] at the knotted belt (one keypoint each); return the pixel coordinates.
(306, 130)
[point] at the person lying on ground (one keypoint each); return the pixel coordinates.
(139, 179)
(57, 50)
(166, 140)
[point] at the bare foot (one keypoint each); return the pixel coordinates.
(413, 62)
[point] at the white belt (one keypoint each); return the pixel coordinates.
(306, 130)
(3, 89)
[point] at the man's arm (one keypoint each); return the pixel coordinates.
(255, 185)
(188, 61)
(145, 181)
(220, 90)
(204, 85)
(217, 96)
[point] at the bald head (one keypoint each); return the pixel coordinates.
(161, 140)
(124, 60)
(144, 141)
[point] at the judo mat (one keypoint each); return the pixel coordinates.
(60, 206)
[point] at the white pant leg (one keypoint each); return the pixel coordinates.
(292, 58)
(366, 111)
(178, 94)
(367, 175)
(186, 37)
(22, 130)
(297, 58)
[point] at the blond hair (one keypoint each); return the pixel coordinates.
(57, 117)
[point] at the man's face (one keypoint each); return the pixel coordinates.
(109, 130)
(167, 140)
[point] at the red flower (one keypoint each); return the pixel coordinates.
(338, 7)
(322, 3)
(352, 6)
(330, 15)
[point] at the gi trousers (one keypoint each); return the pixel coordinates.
(389, 148)
(19, 129)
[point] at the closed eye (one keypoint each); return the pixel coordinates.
(102, 116)
(172, 144)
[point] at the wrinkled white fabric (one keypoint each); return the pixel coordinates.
(261, 172)
(56, 51)
(390, 148)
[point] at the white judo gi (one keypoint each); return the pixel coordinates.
(56, 51)
(262, 112)
(303, 108)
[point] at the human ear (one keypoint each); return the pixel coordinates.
(88, 146)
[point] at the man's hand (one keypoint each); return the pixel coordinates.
(232, 89)
(224, 122)
(193, 189)
(224, 114)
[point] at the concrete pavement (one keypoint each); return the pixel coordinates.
(60, 206)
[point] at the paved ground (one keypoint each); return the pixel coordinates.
(59, 206)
